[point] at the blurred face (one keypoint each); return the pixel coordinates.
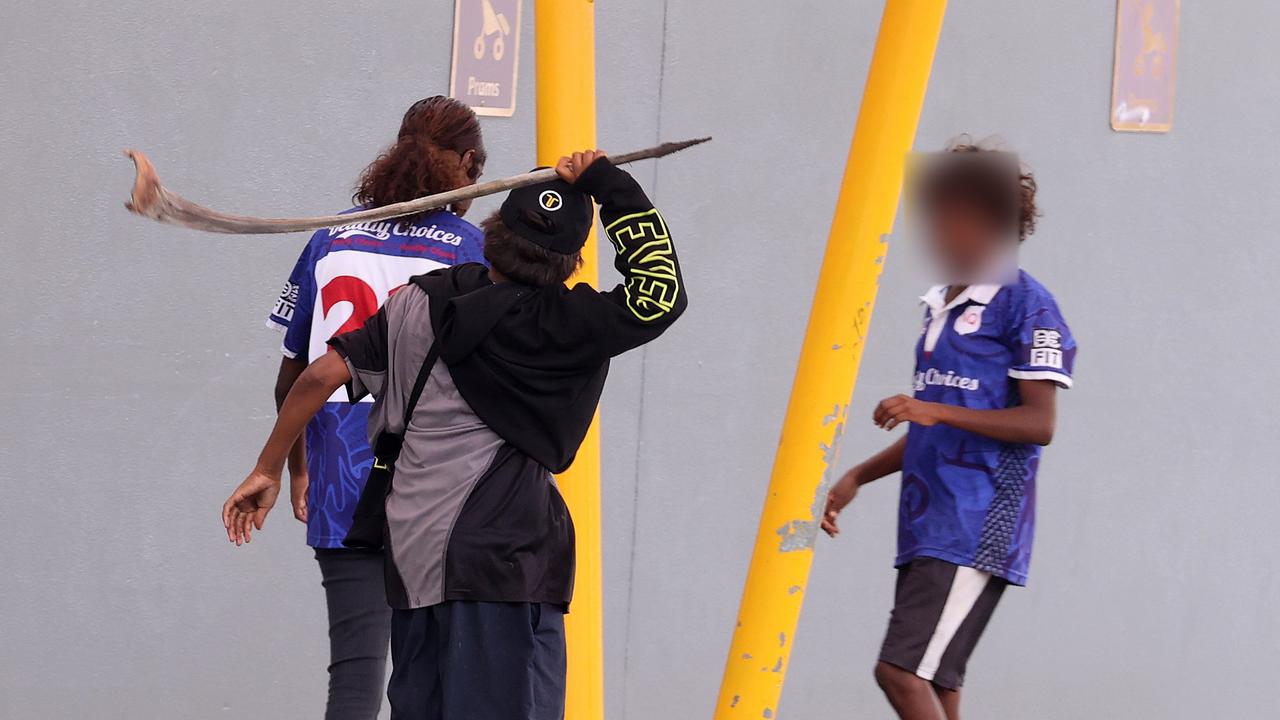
(963, 241)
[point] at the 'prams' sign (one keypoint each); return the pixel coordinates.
(486, 52)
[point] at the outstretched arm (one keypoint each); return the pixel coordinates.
(886, 462)
(248, 506)
(1031, 421)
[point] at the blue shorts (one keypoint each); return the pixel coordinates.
(478, 661)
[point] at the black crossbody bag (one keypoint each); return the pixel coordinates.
(370, 517)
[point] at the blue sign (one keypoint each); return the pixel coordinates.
(486, 55)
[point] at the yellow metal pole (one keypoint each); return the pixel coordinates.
(828, 367)
(566, 79)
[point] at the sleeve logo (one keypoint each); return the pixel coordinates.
(1046, 348)
(286, 302)
(651, 283)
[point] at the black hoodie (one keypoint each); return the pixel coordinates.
(532, 361)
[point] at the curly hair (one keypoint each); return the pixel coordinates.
(1027, 210)
(523, 261)
(428, 157)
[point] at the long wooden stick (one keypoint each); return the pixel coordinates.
(151, 199)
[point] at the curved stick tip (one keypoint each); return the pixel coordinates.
(146, 185)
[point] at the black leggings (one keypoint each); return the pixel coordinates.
(359, 632)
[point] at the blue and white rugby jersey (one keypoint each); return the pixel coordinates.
(968, 499)
(342, 277)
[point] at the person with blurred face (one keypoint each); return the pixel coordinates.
(342, 277)
(487, 379)
(993, 351)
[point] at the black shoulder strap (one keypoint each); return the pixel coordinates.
(433, 354)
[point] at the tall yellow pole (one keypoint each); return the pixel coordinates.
(828, 367)
(566, 78)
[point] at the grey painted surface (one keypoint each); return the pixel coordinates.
(139, 378)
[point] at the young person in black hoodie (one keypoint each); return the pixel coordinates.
(507, 365)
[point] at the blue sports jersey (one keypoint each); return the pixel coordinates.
(968, 499)
(342, 277)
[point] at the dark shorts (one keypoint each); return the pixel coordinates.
(939, 612)
(478, 661)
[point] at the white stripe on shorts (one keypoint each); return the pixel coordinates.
(966, 587)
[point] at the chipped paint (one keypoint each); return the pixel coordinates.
(835, 413)
(801, 534)
(734, 703)
(794, 589)
(831, 452)
(782, 639)
(859, 322)
(778, 668)
(768, 712)
(797, 535)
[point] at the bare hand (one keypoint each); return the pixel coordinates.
(898, 409)
(298, 495)
(248, 506)
(570, 168)
(841, 494)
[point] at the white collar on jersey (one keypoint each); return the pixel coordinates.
(936, 297)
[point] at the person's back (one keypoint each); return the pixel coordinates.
(343, 276)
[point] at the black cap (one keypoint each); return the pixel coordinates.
(554, 215)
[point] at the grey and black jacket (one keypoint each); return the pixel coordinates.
(474, 513)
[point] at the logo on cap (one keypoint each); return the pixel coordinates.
(550, 200)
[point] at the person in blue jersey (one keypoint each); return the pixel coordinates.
(992, 355)
(342, 278)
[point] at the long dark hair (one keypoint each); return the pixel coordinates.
(439, 148)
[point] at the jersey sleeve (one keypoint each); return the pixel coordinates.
(1043, 346)
(293, 309)
(651, 295)
(366, 352)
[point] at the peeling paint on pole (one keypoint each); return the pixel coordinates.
(805, 464)
(797, 535)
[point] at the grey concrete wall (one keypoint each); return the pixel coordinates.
(138, 378)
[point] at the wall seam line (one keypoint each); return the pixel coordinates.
(644, 367)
